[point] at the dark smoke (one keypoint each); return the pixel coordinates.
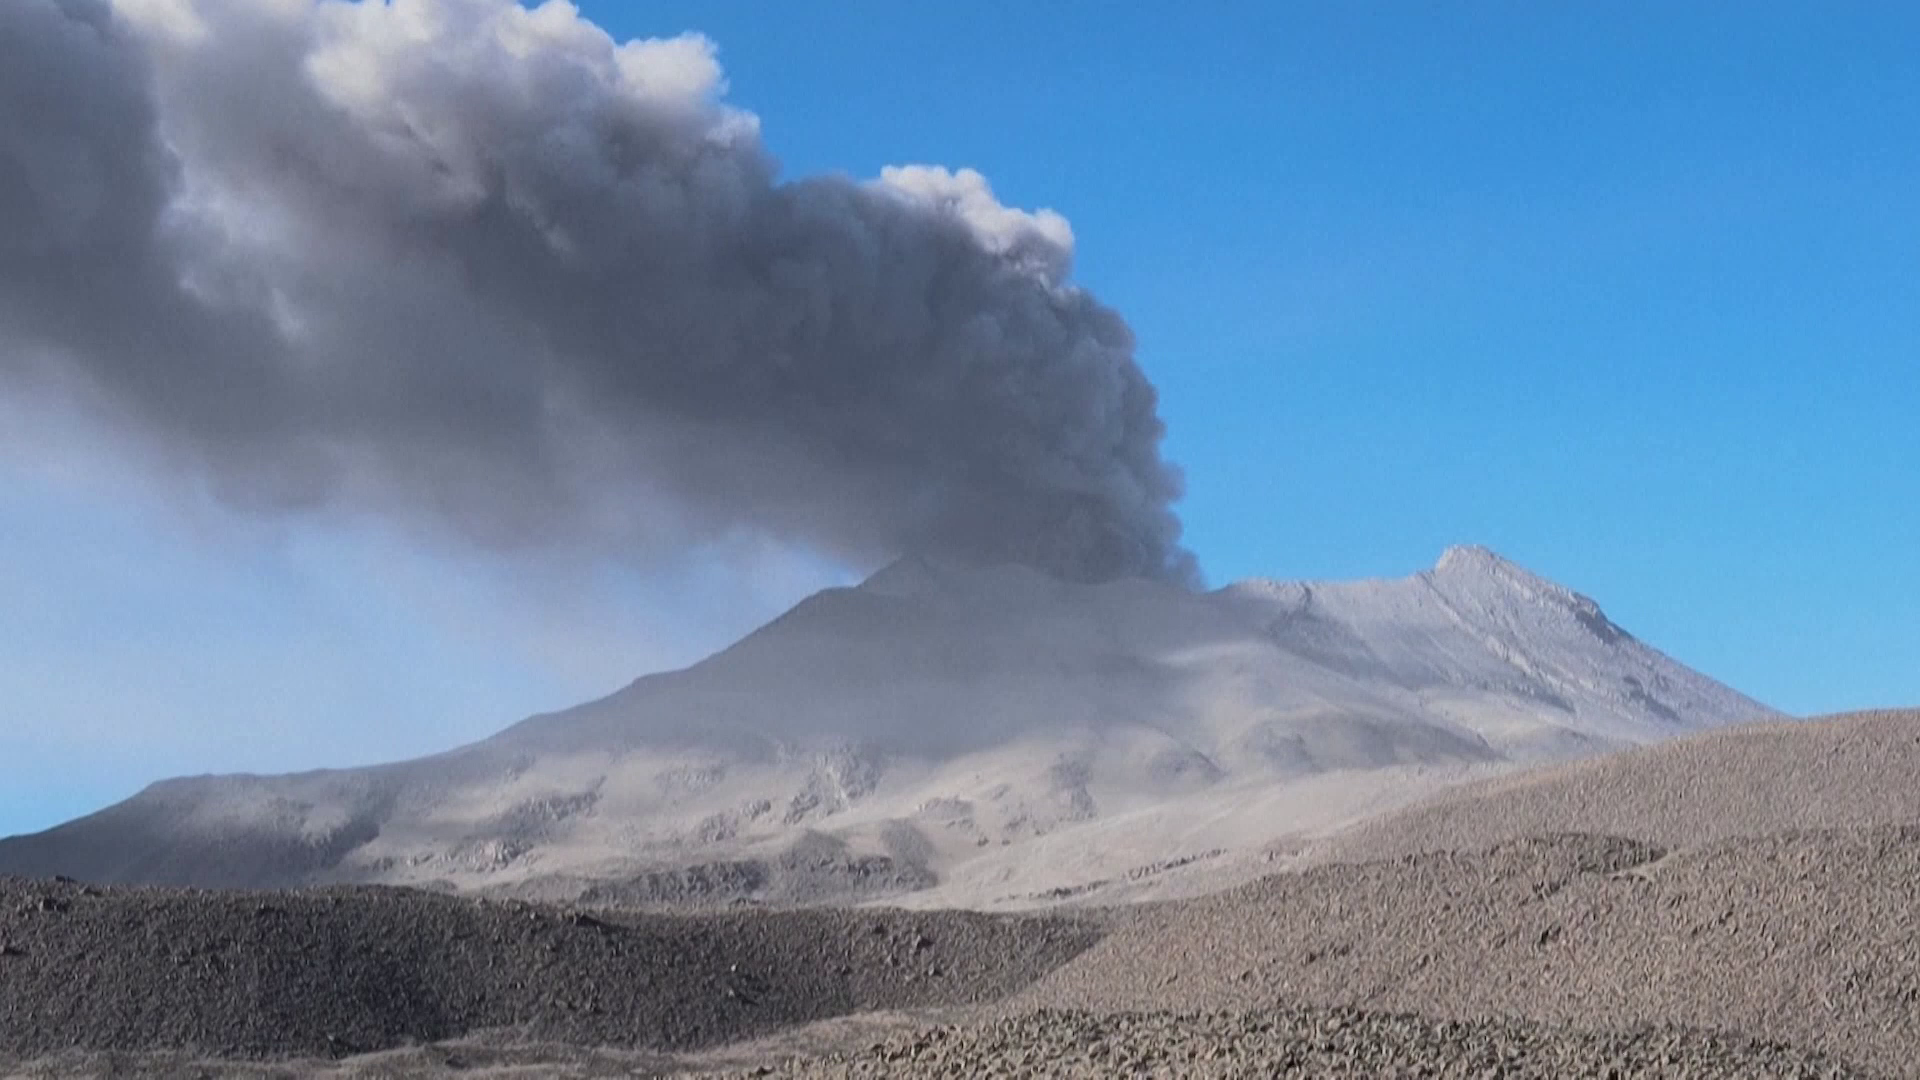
(483, 270)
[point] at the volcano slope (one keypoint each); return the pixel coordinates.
(960, 737)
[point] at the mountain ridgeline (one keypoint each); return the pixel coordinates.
(961, 736)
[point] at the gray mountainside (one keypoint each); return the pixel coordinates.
(958, 736)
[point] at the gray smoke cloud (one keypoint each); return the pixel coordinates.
(484, 271)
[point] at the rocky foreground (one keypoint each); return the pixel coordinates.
(1778, 935)
(336, 972)
(1793, 955)
(1811, 939)
(1302, 1043)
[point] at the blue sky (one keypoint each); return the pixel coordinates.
(1629, 292)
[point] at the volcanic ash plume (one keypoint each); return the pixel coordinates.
(484, 271)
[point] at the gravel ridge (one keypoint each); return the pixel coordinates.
(1856, 770)
(333, 972)
(1809, 938)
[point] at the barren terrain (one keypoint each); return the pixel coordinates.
(1789, 947)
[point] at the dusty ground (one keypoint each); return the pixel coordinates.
(1716, 937)
(1300, 1043)
(1810, 939)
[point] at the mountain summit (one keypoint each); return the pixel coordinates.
(967, 735)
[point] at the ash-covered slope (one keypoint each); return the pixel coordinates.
(1000, 734)
(1855, 771)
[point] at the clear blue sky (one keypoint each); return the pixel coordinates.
(1629, 292)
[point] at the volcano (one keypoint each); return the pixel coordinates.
(952, 735)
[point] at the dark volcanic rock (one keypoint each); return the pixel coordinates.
(340, 971)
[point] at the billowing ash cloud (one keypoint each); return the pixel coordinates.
(483, 270)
